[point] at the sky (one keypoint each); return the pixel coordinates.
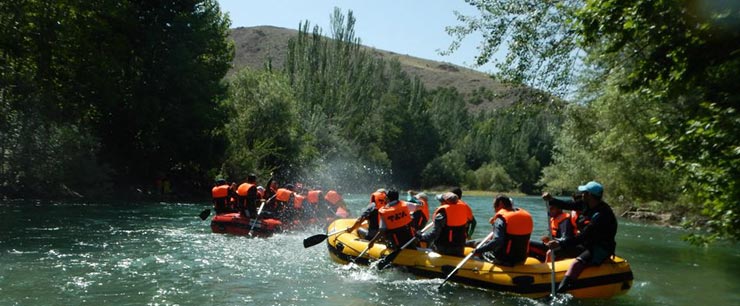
(412, 27)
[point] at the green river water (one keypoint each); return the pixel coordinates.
(163, 254)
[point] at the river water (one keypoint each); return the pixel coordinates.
(163, 254)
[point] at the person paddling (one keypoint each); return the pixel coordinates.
(512, 228)
(597, 236)
(248, 197)
(220, 196)
(561, 228)
(451, 222)
(370, 213)
(395, 223)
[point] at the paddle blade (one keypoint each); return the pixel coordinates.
(385, 261)
(314, 240)
(205, 213)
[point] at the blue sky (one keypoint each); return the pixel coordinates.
(413, 27)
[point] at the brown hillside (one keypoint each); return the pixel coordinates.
(256, 45)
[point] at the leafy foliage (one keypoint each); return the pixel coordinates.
(660, 82)
(138, 81)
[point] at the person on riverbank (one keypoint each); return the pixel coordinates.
(561, 227)
(512, 228)
(597, 236)
(370, 213)
(451, 221)
(395, 223)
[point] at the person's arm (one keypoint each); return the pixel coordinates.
(499, 235)
(440, 221)
(364, 216)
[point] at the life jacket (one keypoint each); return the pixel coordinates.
(313, 196)
(578, 225)
(395, 216)
(220, 195)
(298, 201)
(283, 195)
(332, 197)
(519, 226)
(242, 192)
(424, 208)
(455, 232)
(244, 188)
(379, 199)
(397, 220)
(555, 224)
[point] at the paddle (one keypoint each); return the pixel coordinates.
(552, 252)
(369, 245)
(387, 260)
(464, 260)
(316, 239)
(205, 213)
(259, 212)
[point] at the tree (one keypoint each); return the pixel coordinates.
(676, 58)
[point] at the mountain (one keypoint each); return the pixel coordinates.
(256, 45)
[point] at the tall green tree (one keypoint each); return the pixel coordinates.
(677, 58)
(137, 81)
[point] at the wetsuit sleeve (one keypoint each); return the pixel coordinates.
(568, 205)
(440, 221)
(499, 236)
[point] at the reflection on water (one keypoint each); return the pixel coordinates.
(163, 254)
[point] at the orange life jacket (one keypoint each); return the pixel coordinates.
(313, 196)
(283, 195)
(378, 198)
(298, 201)
(519, 226)
(333, 197)
(424, 208)
(244, 188)
(397, 220)
(220, 196)
(555, 223)
(574, 221)
(395, 216)
(455, 233)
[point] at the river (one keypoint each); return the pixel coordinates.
(163, 254)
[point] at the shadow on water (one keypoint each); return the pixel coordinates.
(162, 253)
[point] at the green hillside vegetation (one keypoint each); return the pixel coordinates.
(255, 46)
(113, 99)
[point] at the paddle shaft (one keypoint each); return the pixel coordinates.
(389, 259)
(552, 252)
(259, 212)
(465, 260)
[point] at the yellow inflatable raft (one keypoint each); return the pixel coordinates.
(532, 279)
